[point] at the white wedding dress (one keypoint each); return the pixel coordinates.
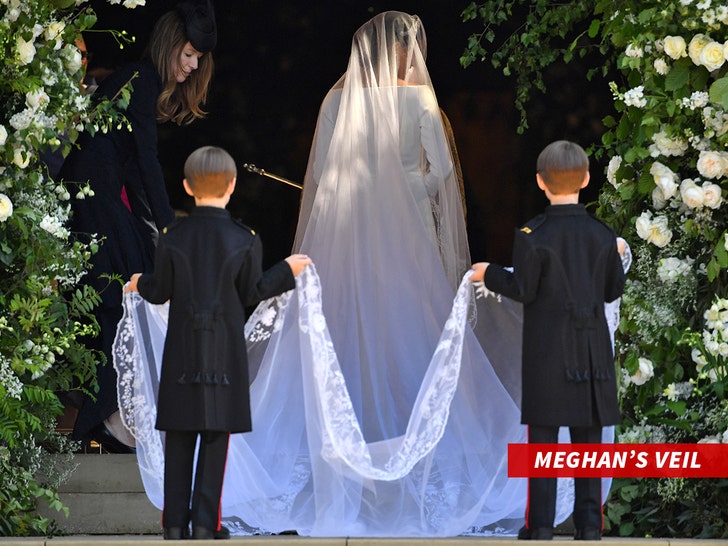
(384, 394)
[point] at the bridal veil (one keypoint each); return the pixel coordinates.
(376, 410)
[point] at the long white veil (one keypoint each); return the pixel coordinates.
(376, 410)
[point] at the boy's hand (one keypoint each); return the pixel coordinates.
(297, 262)
(479, 271)
(131, 286)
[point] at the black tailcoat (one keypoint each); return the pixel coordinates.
(209, 267)
(565, 266)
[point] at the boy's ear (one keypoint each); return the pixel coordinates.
(231, 186)
(586, 180)
(540, 182)
(187, 187)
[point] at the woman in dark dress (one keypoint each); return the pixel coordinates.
(169, 83)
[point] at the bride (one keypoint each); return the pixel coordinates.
(376, 409)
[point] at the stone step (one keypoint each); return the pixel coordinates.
(105, 495)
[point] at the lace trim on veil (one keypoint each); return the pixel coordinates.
(137, 359)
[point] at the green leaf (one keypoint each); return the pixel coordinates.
(594, 28)
(678, 77)
(718, 92)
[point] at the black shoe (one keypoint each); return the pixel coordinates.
(537, 533)
(200, 533)
(176, 533)
(588, 533)
(101, 435)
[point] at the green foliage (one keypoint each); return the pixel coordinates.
(536, 34)
(45, 314)
(667, 145)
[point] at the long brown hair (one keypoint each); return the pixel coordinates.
(178, 102)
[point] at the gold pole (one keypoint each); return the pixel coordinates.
(253, 169)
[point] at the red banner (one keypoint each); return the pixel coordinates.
(618, 460)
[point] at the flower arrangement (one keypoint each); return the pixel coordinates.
(44, 315)
(667, 176)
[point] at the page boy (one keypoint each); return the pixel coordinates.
(209, 267)
(566, 265)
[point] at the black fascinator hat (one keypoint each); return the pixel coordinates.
(199, 18)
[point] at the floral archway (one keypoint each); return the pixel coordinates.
(44, 314)
(667, 194)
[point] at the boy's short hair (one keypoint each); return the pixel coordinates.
(209, 170)
(563, 166)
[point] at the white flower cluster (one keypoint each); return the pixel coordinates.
(13, 386)
(715, 341)
(674, 269)
(715, 120)
(679, 391)
(635, 97)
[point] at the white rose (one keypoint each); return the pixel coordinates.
(73, 59)
(664, 179)
(612, 168)
(643, 225)
(713, 195)
(692, 194)
(3, 134)
(661, 234)
(36, 99)
(712, 164)
(711, 56)
(25, 52)
(675, 47)
(644, 373)
(6, 207)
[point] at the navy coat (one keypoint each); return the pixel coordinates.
(565, 267)
(209, 267)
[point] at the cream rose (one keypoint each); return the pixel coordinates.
(6, 207)
(696, 46)
(675, 47)
(36, 99)
(711, 56)
(53, 31)
(664, 179)
(25, 52)
(3, 134)
(692, 194)
(644, 373)
(712, 164)
(713, 195)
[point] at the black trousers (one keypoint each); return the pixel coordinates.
(541, 503)
(179, 453)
